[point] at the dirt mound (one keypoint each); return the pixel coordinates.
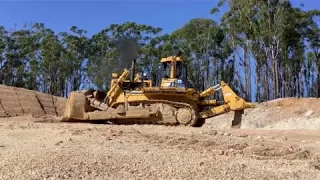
(285, 113)
(18, 101)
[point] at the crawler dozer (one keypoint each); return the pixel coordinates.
(171, 100)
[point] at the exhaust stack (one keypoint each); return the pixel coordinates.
(133, 69)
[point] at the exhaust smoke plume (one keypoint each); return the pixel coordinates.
(128, 48)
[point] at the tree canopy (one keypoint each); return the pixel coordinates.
(263, 49)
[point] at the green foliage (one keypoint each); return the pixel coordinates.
(207, 46)
(274, 33)
(267, 46)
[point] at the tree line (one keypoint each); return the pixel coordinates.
(264, 49)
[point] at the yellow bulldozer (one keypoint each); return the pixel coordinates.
(136, 99)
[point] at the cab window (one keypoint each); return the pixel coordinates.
(166, 69)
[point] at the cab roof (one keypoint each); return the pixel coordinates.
(171, 58)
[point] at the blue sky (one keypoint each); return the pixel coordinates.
(95, 15)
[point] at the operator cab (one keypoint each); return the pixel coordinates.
(173, 72)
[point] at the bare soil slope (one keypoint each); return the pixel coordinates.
(286, 113)
(18, 101)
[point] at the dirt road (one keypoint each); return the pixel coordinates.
(43, 149)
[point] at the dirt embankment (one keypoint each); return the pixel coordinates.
(285, 114)
(18, 101)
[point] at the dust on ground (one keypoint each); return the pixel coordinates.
(277, 140)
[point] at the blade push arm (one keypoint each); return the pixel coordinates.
(210, 91)
(115, 87)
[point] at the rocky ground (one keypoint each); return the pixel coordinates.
(278, 140)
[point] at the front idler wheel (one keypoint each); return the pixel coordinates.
(185, 117)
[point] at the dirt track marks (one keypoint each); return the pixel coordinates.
(231, 146)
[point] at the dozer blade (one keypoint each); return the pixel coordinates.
(78, 108)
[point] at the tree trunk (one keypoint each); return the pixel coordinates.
(285, 83)
(234, 57)
(265, 84)
(247, 70)
(300, 85)
(257, 85)
(318, 83)
(276, 78)
(312, 89)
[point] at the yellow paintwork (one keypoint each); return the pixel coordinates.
(232, 103)
(118, 96)
(115, 75)
(189, 95)
(208, 102)
(115, 89)
(208, 92)
(171, 59)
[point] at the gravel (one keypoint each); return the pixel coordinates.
(30, 149)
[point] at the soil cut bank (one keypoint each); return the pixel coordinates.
(18, 101)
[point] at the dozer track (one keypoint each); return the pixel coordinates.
(171, 113)
(164, 112)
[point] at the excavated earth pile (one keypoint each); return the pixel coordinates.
(284, 113)
(18, 101)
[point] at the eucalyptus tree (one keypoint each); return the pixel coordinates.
(239, 24)
(3, 44)
(313, 36)
(273, 33)
(205, 40)
(74, 57)
(14, 57)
